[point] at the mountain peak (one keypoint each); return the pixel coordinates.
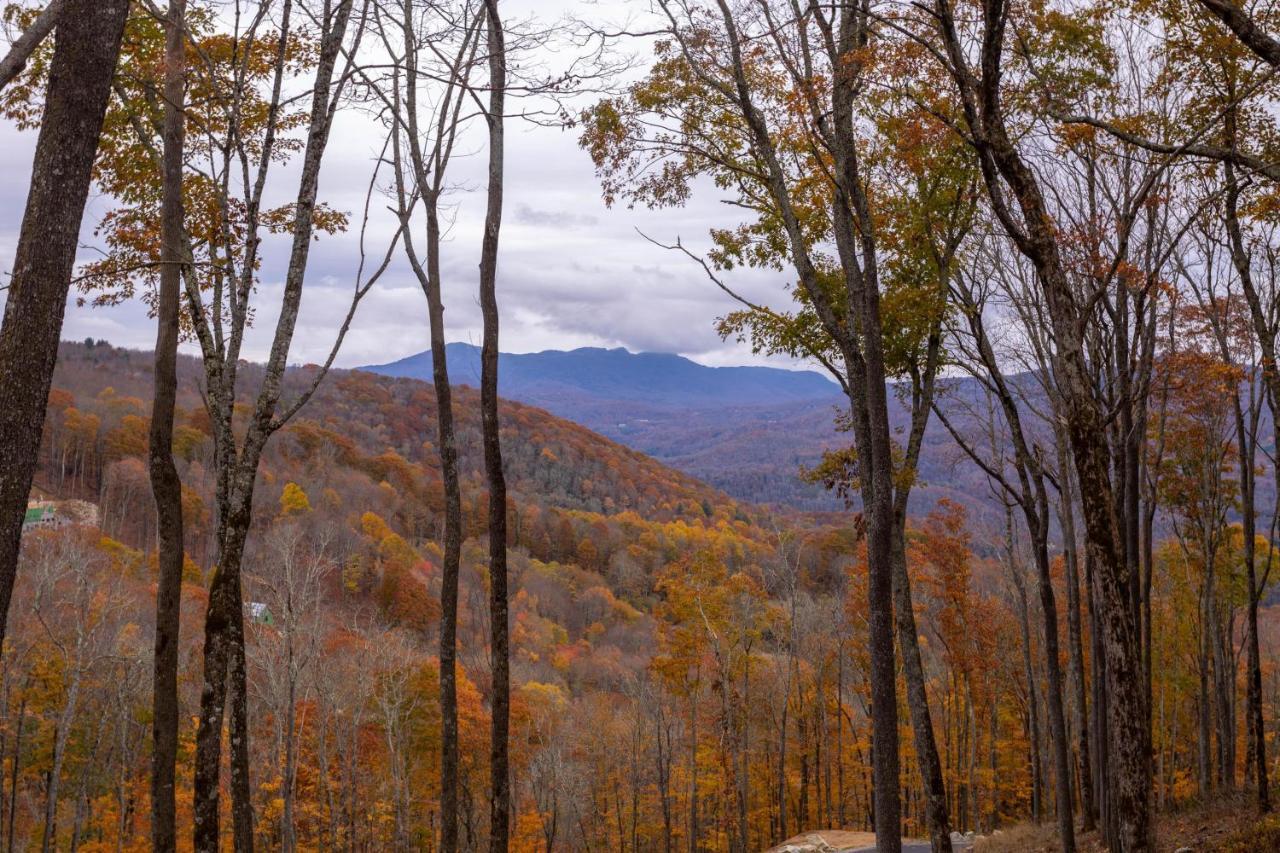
(618, 375)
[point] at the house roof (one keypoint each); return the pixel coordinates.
(38, 513)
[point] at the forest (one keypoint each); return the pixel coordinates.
(250, 600)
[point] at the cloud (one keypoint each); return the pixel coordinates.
(572, 272)
(559, 219)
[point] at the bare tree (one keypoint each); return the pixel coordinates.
(296, 564)
(165, 484)
(81, 622)
(422, 147)
(1027, 487)
(1020, 204)
(499, 643)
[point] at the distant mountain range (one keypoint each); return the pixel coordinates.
(659, 379)
(746, 430)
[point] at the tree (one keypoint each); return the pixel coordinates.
(165, 483)
(293, 500)
(716, 84)
(1019, 202)
(79, 84)
(220, 331)
(499, 644)
(291, 588)
(422, 146)
(1028, 489)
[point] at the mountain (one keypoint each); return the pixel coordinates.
(593, 373)
(748, 431)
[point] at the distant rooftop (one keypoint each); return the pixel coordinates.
(37, 514)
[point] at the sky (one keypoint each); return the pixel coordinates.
(572, 272)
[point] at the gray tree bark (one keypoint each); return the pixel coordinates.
(84, 62)
(166, 487)
(499, 643)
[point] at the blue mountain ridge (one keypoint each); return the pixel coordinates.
(620, 376)
(746, 430)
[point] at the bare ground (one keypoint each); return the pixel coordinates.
(1227, 825)
(837, 839)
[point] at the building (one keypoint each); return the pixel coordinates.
(41, 514)
(260, 613)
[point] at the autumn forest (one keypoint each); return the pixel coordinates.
(256, 599)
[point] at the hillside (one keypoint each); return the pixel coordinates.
(745, 430)
(370, 421)
(648, 612)
(748, 431)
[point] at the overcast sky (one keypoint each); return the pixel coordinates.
(571, 272)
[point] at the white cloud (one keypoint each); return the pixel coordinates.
(571, 273)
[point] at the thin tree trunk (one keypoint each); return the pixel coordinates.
(224, 597)
(446, 438)
(1057, 716)
(84, 59)
(13, 770)
(935, 790)
(428, 170)
(1265, 334)
(1088, 804)
(1033, 710)
(288, 833)
(840, 813)
(936, 816)
(499, 773)
(165, 485)
(238, 733)
(238, 468)
(62, 732)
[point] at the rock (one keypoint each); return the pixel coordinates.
(1185, 850)
(810, 843)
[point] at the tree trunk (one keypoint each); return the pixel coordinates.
(238, 732)
(1057, 716)
(1009, 181)
(500, 653)
(237, 470)
(165, 485)
(935, 790)
(13, 770)
(1088, 803)
(62, 732)
(84, 59)
(1265, 334)
(224, 598)
(1033, 704)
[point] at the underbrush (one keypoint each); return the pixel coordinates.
(1263, 834)
(1228, 824)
